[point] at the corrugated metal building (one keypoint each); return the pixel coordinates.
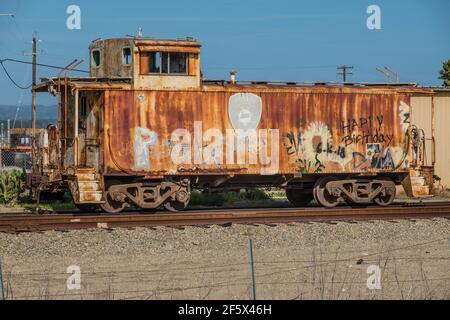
(427, 110)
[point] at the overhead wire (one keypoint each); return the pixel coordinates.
(42, 65)
(11, 79)
(27, 62)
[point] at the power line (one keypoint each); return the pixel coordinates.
(12, 80)
(268, 67)
(42, 65)
(27, 62)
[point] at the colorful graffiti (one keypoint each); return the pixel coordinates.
(313, 149)
(362, 144)
(375, 158)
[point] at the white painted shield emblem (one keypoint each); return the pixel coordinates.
(244, 110)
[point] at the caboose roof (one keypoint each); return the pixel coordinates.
(93, 83)
(150, 43)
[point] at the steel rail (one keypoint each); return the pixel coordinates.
(224, 217)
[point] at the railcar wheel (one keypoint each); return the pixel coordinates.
(179, 202)
(387, 196)
(321, 194)
(111, 205)
(299, 197)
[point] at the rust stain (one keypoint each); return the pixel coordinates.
(87, 196)
(88, 186)
(321, 130)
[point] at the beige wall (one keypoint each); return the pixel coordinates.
(421, 116)
(442, 135)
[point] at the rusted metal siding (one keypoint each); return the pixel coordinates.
(321, 130)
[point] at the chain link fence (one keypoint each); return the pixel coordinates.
(15, 159)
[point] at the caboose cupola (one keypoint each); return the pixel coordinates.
(147, 62)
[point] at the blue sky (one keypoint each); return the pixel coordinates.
(261, 39)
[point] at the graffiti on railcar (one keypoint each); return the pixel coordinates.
(313, 149)
(365, 130)
(404, 114)
(362, 144)
(374, 158)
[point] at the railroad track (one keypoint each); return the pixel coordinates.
(224, 217)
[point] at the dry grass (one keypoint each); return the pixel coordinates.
(324, 275)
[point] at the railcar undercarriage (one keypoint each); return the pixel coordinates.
(174, 194)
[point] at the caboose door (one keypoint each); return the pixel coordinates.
(90, 106)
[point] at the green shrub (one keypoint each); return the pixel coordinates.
(12, 184)
(217, 199)
(207, 198)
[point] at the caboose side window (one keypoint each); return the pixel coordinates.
(126, 56)
(154, 62)
(166, 62)
(177, 62)
(95, 58)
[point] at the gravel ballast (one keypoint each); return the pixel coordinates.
(297, 261)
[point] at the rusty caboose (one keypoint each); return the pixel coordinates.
(145, 128)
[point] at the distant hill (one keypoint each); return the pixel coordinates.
(40, 123)
(44, 116)
(42, 112)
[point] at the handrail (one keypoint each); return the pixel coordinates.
(60, 104)
(65, 102)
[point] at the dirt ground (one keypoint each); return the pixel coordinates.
(298, 261)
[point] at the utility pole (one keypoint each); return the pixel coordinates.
(33, 98)
(34, 53)
(8, 133)
(345, 71)
(33, 105)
